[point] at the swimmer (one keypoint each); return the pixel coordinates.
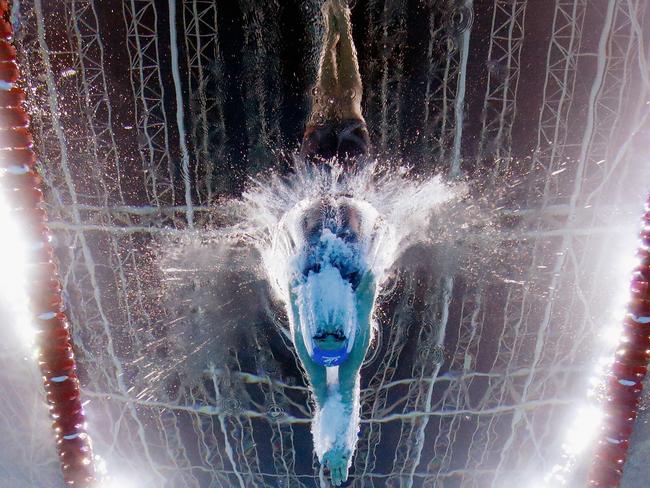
(333, 295)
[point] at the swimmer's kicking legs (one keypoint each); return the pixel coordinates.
(336, 127)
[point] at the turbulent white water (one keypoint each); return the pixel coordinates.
(320, 232)
(214, 285)
(337, 421)
(391, 209)
(326, 297)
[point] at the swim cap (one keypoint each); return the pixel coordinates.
(330, 358)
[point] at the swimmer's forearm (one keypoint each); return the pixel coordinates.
(316, 373)
(349, 370)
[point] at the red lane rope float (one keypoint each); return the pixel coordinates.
(624, 383)
(21, 187)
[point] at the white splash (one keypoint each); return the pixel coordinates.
(336, 424)
(393, 211)
(326, 295)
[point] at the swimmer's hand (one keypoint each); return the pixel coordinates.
(336, 460)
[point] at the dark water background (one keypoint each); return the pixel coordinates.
(540, 109)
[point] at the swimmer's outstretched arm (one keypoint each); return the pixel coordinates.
(316, 373)
(349, 371)
(338, 457)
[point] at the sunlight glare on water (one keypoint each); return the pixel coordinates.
(13, 283)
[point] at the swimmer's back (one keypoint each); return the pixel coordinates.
(340, 216)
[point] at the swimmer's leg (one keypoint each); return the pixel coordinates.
(326, 89)
(349, 78)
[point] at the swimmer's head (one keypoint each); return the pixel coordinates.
(330, 346)
(327, 315)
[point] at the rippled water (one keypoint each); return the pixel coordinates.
(499, 273)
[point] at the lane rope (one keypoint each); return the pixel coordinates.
(22, 189)
(624, 382)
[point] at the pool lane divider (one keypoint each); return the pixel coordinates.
(624, 384)
(22, 189)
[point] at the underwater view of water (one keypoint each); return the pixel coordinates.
(498, 213)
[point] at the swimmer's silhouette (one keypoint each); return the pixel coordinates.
(333, 297)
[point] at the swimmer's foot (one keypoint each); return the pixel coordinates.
(330, 19)
(341, 11)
